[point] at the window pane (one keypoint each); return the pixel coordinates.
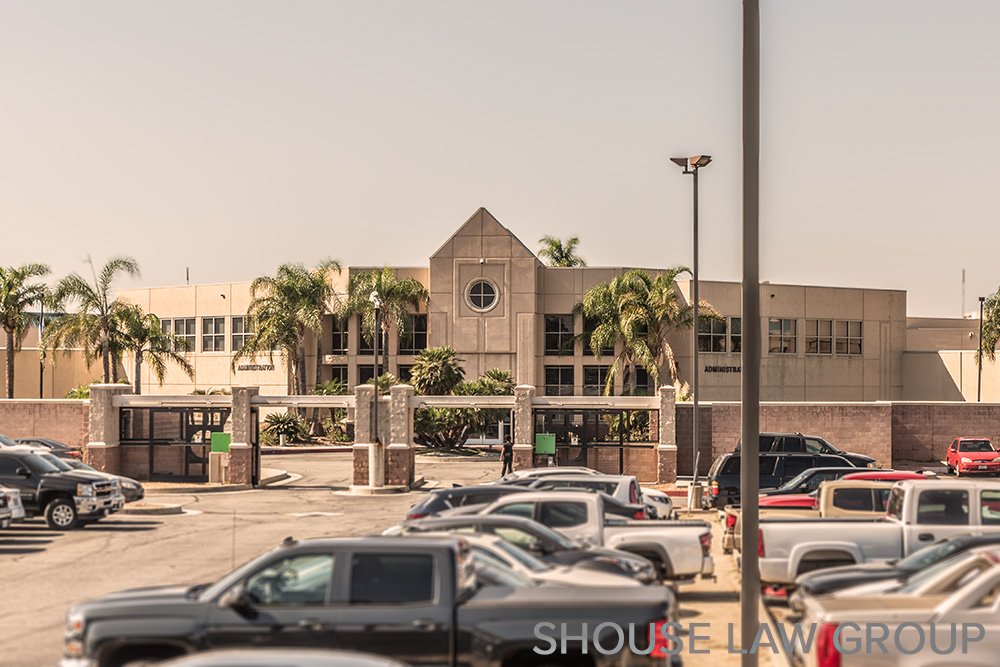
(563, 514)
(943, 508)
(990, 512)
(853, 500)
(294, 581)
(392, 578)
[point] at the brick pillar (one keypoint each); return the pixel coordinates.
(524, 427)
(399, 459)
(364, 398)
(241, 451)
(666, 445)
(103, 450)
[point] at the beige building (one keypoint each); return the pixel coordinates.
(500, 307)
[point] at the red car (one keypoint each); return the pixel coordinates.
(801, 500)
(973, 455)
(885, 475)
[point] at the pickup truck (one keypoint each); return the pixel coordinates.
(972, 613)
(417, 599)
(918, 513)
(681, 550)
(855, 498)
(66, 498)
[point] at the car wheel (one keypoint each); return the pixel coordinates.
(61, 514)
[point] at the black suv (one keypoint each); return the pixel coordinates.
(65, 498)
(775, 470)
(808, 444)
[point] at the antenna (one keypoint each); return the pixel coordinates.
(187, 274)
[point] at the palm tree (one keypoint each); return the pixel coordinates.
(991, 326)
(639, 311)
(17, 292)
(557, 252)
(398, 298)
(142, 336)
(437, 371)
(283, 309)
(92, 325)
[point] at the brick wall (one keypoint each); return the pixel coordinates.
(685, 435)
(923, 431)
(64, 420)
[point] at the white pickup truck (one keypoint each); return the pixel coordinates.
(681, 550)
(919, 512)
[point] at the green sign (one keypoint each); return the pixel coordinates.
(545, 443)
(220, 442)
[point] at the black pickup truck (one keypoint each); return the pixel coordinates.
(417, 600)
(66, 499)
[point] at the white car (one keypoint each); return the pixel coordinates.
(659, 504)
(496, 549)
(13, 502)
(940, 579)
(523, 477)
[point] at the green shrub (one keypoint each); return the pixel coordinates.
(288, 424)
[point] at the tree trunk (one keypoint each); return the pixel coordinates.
(138, 373)
(632, 380)
(301, 384)
(106, 359)
(10, 363)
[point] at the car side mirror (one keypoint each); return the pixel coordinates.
(236, 598)
(22, 472)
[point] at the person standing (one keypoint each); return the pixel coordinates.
(507, 457)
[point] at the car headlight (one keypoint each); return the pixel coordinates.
(130, 484)
(84, 490)
(966, 459)
(116, 484)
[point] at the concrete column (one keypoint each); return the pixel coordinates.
(666, 446)
(241, 446)
(524, 427)
(369, 456)
(399, 460)
(105, 427)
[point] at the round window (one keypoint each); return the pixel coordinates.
(482, 295)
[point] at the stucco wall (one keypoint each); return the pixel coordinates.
(63, 420)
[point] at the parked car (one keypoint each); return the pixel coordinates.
(132, 489)
(6, 515)
(60, 449)
(13, 498)
(918, 513)
(549, 545)
(64, 498)
(496, 549)
(808, 444)
(532, 473)
(839, 498)
(623, 488)
(824, 582)
(808, 481)
(660, 504)
(887, 475)
(284, 657)
(680, 550)
(459, 500)
(775, 471)
(417, 599)
(968, 456)
(907, 620)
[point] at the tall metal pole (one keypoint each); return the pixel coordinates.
(41, 359)
(750, 412)
(376, 456)
(694, 355)
(375, 373)
(979, 379)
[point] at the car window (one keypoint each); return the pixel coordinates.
(515, 536)
(797, 464)
(789, 444)
(929, 555)
(976, 446)
(944, 507)
(9, 466)
(895, 506)
(57, 462)
(731, 466)
(816, 446)
(526, 510)
(563, 514)
(882, 498)
(989, 512)
(831, 462)
(392, 578)
(767, 442)
(521, 556)
(293, 581)
(853, 500)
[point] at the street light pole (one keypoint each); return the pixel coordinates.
(376, 461)
(41, 359)
(691, 166)
(979, 357)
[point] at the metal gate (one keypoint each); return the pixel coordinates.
(586, 436)
(179, 439)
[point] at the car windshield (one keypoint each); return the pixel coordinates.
(7, 442)
(522, 557)
(57, 462)
(923, 576)
(39, 464)
(798, 480)
(976, 446)
(493, 572)
(932, 553)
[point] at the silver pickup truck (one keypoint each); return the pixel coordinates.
(681, 550)
(919, 512)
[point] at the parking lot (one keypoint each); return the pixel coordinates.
(45, 572)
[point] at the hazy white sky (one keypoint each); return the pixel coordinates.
(232, 136)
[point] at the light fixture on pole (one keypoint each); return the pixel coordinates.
(979, 357)
(376, 462)
(691, 166)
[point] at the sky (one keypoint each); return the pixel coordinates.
(229, 137)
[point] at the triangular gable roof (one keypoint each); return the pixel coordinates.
(484, 223)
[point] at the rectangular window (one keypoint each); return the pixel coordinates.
(184, 327)
(643, 382)
(594, 380)
(559, 335)
(404, 372)
(558, 380)
(944, 507)
(367, 342)
(735, 334)
(989, 507)
(853, 500)
(339, 372)
(819, 336)
(413, 339)
(306, 581)
(365, 373)
(390, 579)
(711, 335)
(242, 331)
(213, 334)
(338, 334)
(848, 337)
(588, 329)
(781, 336)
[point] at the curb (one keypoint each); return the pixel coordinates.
(279, 476)
(154, 509)
(194, 490)
(280, 451)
